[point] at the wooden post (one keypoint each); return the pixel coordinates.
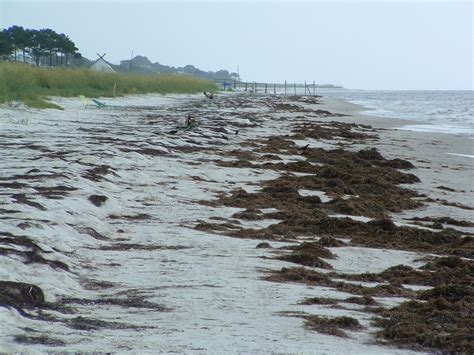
(265, 88)
(274, 89)
(254, 86)
(246, 86)
(314, 88)
(285, 87)
(294, 87)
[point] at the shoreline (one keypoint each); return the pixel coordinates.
(108, 206)
(449, 153)
(465, 146)
(410, 124)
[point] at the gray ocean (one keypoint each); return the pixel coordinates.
(437, 111)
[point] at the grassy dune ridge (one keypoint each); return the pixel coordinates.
(33, 84)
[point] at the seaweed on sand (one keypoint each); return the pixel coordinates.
(38, 339)
(332, 130)
(98, 172)
(446, 220)
(308, 254)
(314, 278)
(250, 214)
(305, 258)
(319, 300)
(299, 275)
(23, 199)
(360, 183)
(332, 326)
(328, 241)
(97, 200)
(364, 300)
(374, 189)
(27, 249)
(443, 321)
(20, 295)
(436, 273)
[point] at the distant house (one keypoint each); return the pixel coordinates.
(19, 58)
(101, 65)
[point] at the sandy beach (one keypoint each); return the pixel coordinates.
(278, 224)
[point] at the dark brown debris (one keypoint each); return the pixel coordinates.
(319, 300)
(136, 217)
(98, 173)
(308, 254)
(328, 241)
(127, 302)
(305, 258)
(332, 326)
(54, 192)
(24, 247)
(444, 220)
(22, 198)
(97, 200)
(38, 339)
(20, 295)
(148, 247)
(439, 323)
(364, 300)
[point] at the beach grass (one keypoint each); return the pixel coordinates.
(33, 85)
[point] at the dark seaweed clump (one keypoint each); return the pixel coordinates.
(20, 295)
(444, 321)
(332, 326)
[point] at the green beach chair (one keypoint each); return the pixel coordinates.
(85, 101)
(99, 103)
(91, 102)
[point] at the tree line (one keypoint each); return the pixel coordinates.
(41, 45)
(46, 47)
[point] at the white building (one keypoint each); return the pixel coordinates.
(101, 65)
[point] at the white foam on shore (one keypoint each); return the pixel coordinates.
(440, 128)
(462, 155)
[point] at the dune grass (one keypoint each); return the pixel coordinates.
(32, 85)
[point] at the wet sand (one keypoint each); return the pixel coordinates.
(232, 237)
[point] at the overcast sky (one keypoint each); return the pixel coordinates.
(385, 44)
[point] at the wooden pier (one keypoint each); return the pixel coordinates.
(273, 88)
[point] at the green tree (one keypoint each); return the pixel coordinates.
(50, 42)
(20, 39)
(6, 46)
(66, 47)
(38, 45)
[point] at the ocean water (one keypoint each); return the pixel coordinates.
(437, 111)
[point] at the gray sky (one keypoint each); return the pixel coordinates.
(385, 44)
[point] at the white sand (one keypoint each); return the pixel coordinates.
(218, 302)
